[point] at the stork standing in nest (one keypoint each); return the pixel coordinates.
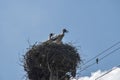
(58, 38)
(50, 38)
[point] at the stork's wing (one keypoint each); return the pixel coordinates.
(54, 38)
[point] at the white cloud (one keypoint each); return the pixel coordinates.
(113, 75)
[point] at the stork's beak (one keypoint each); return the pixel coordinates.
(67, 31)
(53, 33)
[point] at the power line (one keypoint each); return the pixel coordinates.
(100, 59)
(107, 72)
(109, 53)
(101, 53)
(88, 66)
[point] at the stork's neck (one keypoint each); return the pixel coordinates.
(49, 37)
(63, 32)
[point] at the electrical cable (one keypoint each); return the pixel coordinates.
(100, 59)
(101, 53)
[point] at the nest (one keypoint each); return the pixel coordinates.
(43, 58)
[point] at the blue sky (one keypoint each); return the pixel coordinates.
(94, 25)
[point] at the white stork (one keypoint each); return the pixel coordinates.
(50, 39)
(50, 36)
(58, 38)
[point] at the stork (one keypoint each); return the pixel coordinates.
(58, 38)
(50, 39)
(50, 36)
